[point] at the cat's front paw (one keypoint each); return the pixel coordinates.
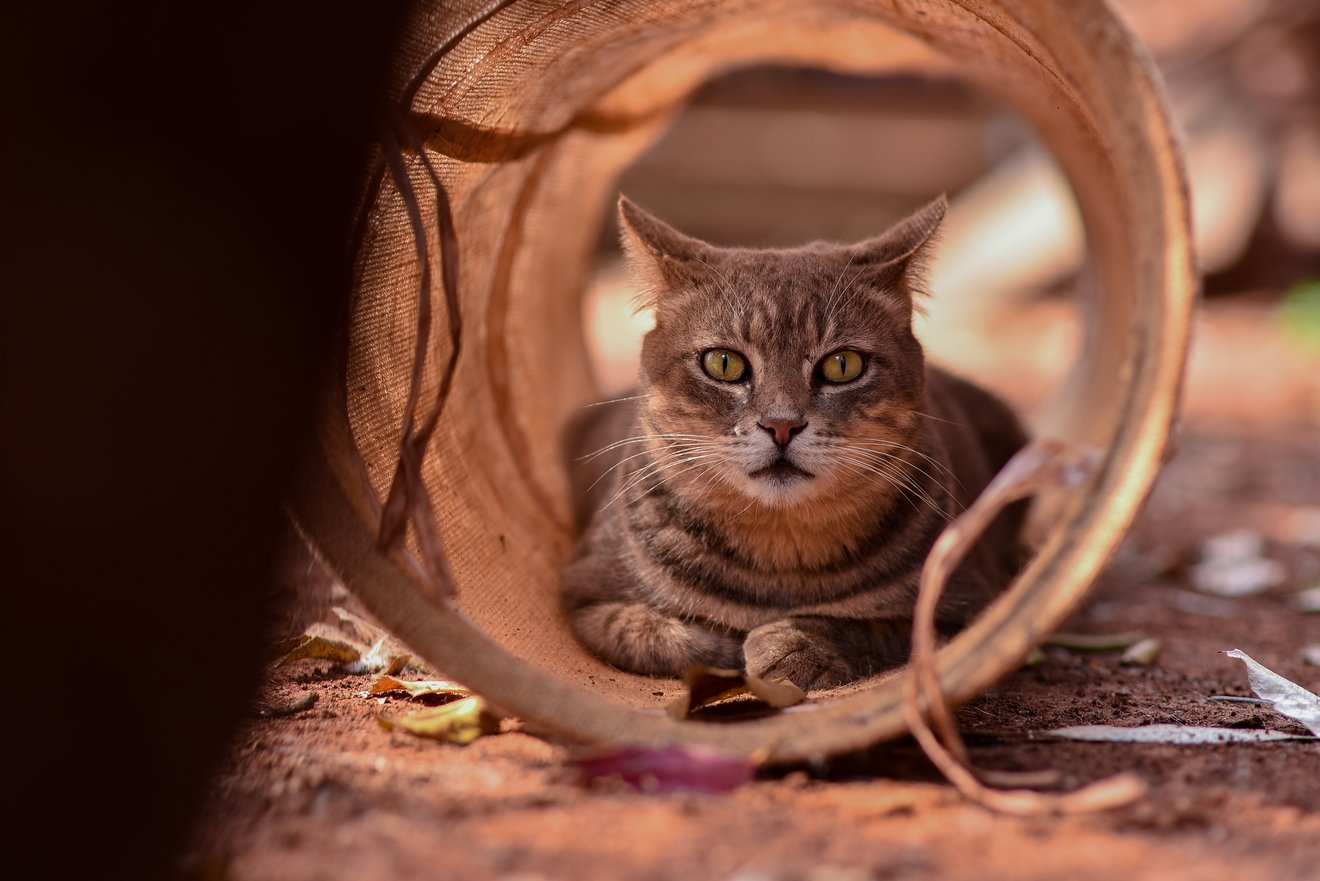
(799, 650)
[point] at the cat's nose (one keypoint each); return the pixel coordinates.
(782, 430)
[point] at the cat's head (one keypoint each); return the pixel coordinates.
(780, 374)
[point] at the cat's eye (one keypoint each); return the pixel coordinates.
(724, 365)
(844, 365)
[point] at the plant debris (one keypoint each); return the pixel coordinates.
(1233, 564)
(1034, 658)
(384, 656)
(274, 711)
(668, 769)
(1236, 699)
(323, 642)
(707, 685)
(1308, 600)
(419, 688)
(460, 722)
(315, 647)
(1174, 734)
(1100, 642)
(1142, 654)
(1287, 697)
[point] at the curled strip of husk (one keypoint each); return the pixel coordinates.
(1042, 464)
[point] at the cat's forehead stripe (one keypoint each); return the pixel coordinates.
(780, 305)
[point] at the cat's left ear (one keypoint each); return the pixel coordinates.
(659, 256)
(897, 258)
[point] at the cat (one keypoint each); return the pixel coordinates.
(766, 500)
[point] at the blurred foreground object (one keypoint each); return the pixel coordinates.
(178, 197)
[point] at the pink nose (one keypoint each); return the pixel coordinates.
(782, 429)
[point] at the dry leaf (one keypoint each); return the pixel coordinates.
(707, 685)
(418, 688)
(668, 769)
(1288, 698)
(461, 722)
(1176, 734)
(319, 648)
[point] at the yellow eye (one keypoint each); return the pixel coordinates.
(844, 365)
(724, 365)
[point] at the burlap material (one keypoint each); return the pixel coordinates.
(527, 112)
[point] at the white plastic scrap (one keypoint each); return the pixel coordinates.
(1178, 734)
(1235, 545)
(1308, 600)
(1233, 564)
(1288, 697)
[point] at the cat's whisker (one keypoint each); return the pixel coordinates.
(700, 465)
(894, 464)
(673, 446)
(655, 468)
(745, 509)
(651, 468)
(894, 445)
(617, 400)
(728, 289)
(897, 479)
(851, 291)
(830, 302)
(881, 448)
(637, 439)
(905, 489)
(941, 419)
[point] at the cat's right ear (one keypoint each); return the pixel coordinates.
(897, 258)
(659, 257)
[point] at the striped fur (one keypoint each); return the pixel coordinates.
(694, 551)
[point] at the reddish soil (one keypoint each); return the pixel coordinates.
(328, 793)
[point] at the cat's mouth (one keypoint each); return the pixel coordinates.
(783, 470)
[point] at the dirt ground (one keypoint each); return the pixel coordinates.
(328, 793)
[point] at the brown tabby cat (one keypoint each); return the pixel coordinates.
(770, 494)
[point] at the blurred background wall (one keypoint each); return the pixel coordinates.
(774, 156)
